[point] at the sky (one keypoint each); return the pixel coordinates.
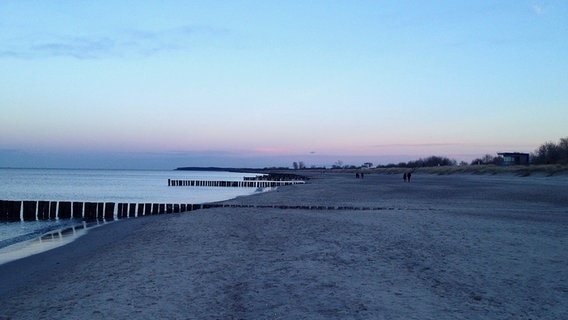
(163, 84)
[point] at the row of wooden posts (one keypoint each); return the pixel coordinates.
(31, 210)
(11, 211)
(236, 184)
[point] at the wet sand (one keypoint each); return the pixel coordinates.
(440, 247)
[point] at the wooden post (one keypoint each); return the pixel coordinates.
(155, 208)
(15, 211)
(169, 208)
(53, 210)
(41, 209)
(30, 210)
(90, 211)
(122, 210)
(140, 209)
(77, 210)
(3, 211)
(119, 212)
(109, 211)
(132, 210)
(10, 211)
(100, 211)
(125, 207)
(176, 208)
(162, 208)
(148, 209)
(64, 210)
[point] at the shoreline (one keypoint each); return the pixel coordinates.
(47, 241)
(459, 246)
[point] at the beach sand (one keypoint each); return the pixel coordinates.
(440, 247)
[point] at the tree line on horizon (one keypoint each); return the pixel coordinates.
(547, 153)
(551, 153)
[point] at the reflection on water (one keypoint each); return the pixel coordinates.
(47, 241)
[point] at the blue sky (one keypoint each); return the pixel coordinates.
(161, 84)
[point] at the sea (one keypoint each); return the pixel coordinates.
(24, 238)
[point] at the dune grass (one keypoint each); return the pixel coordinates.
(523, 171)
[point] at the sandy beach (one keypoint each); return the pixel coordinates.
(440, 247)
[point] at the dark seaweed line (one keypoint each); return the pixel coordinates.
(313, 207)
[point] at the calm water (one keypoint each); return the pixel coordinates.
(113, 185)
(18, 239)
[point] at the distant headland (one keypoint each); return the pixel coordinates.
(245, 170)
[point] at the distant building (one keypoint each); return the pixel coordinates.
(514, 158)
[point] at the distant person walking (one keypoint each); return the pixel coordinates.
(408, 176)
(404, 177)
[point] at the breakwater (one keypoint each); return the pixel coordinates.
(12, 211)
(43, 210)
(234, 184)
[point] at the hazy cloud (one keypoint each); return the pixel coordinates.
(120, 44)
(80, 48)
(538, 9)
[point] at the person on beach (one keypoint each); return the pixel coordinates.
(404, 177)
(408, 176)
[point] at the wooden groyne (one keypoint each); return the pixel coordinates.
(12, 211)
(234, 184)
(31, 210)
